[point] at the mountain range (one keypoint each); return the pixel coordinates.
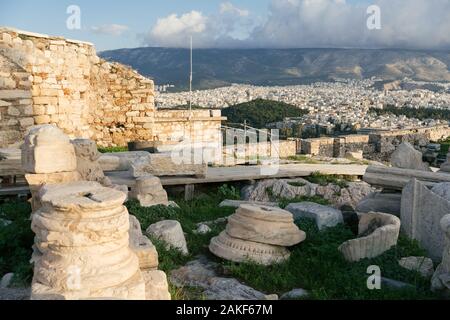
(221, 67)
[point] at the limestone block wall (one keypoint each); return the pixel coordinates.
(52, 80)
(318, 147)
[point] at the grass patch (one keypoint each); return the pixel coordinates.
(325, 179)
(317, 266)
(112, 149)
(284, 202)
(203, 208)
(16, 240)
(303, 159)
(445, 146)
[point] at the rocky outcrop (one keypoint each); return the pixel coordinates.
(267, 190)
(406, 157)
(378, 232)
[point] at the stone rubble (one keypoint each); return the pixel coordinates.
(352, 194)
(381, 202)
(378, 232)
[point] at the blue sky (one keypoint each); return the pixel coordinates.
(111, 24)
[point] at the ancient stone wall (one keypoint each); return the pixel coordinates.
(375, 146)
(52, 80)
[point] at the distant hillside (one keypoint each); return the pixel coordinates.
(258, 113)
(219, 67)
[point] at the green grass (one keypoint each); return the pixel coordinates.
(317, 266)
(325, 179)
(303, 159)
(284, 202)
(445, 146)
(16, 240)
(112, 149)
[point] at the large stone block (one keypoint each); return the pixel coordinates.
(149, 192)
(264, 224)
(142, 246)
(323, 215)
(163, 165)
(120, 161)
(171, 233)
(378, 232)
(421, 213)
(47, 150)
(239, 250)
(406, 157)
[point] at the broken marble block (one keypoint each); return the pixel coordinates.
(87, 161)
(120, 161)
(407, 157)
(263, 224)
(47, 150)
(162, 164)
(445, 167)
(378, 232)
(441, 277)
(171, 233)
(421, 212)
(37, 180)
(149, 192)
(422, 265)
(82, 237)
(142, 246)
(239, 250)
(156, 285)
(323, 215)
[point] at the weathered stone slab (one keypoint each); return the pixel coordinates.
(378, 232)
(381, 202)
(397, 178)
(171, 233)
(406, 157)
(238, 250)
(120, 161)
(263, 224)
(421, 213)
(441, 278)
(48, 150)
(10, 162)
(238, 203)
(163, 165)
(323, 215)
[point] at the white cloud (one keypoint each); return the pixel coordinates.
(310, 23)
(110, 29)
(228, 7)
